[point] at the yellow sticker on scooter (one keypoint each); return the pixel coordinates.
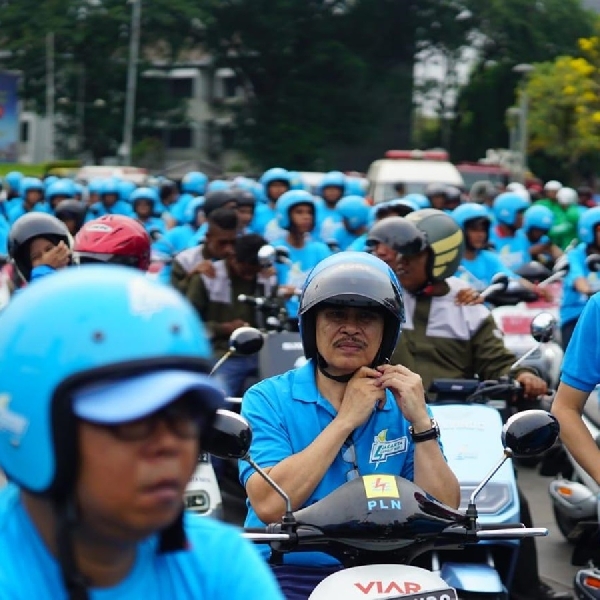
(380, 486)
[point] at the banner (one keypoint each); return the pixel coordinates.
(9, 118)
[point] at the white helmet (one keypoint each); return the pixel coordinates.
(515, 186)
(566, 196)
(552, 186)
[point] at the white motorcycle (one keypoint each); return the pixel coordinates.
(376, 525)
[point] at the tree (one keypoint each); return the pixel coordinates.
(91, 48)
(564, 115)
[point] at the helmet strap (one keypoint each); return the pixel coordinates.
(66, 520)
(173, 539)
(322, 366)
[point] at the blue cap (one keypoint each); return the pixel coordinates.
(110, 403)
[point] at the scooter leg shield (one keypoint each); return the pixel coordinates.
(472, 578)
(573, 499)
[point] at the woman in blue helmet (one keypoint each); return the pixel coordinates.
(31, 200)
(331, 190)
(537, 222)
(193, 185)
(513, 249)
(323, 424)
(479, 264)
(580, 283)
(102, 420)
(110, 202)
(275, 182)
(144, 200)
(355, 221)
(296, 215)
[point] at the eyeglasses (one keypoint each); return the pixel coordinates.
(183, 418)
(349, 456)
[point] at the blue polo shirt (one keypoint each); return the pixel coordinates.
(287, 413)
(218, 563)
(573, 302)
(512, 251)
(581, 365)
(480, 270)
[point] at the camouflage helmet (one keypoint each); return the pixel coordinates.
(444, 240)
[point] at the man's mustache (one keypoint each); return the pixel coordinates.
(350, 340)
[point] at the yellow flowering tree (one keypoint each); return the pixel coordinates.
(564, 101)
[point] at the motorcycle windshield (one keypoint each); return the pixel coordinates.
(378, 508)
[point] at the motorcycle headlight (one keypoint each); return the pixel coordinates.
(198, 502)
(492, 499)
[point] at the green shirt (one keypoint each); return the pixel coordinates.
(563, 230)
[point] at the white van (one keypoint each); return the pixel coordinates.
(416, 169)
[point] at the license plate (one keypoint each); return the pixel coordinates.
(514, 325)
(445, 594)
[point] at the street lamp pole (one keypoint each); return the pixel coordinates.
(523, 69)
(134, 48)
(50, 95)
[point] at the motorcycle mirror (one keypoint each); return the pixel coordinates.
(229, 437)
(530, 432)
(266, 256)
(593, 262)
(246, 341)
(533, 271)
(282, 254)
(561, 264)
(542, 327)
(500, 279)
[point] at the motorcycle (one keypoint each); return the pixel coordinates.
(202, 493)
(468, 412)
(515, 307)
(378, 525)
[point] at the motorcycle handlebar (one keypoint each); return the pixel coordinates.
(517, 531)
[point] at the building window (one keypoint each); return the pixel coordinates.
(181, 138)
(24, 132)
(230, 85)
(182, 87)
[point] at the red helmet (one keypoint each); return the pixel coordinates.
(114, 239)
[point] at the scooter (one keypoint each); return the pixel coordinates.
(377, 525)
(468, 413)
(516, 306)
(202, 494)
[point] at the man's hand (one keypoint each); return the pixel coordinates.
(287, 291)
(543, 292)
(407, 388)
(533, 386)
(468, 297)
(360, 397)
(57, 257)
(229, 327)
(206, 267)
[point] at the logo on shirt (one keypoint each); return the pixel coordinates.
(383, 448)
(147, 299)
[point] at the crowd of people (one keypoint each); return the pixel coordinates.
(386, 298)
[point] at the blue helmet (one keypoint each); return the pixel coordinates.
(95, 186)
(13, 179)
(119, 325)
(126, 188)
(29, 184)
(402, 205)
(48, 181)
(470, 211)
(145, 193)
(586, 228)
(352, 279)
(296, 181)
(539, 217)
(194, 182)
(354, 210)
(356, 187)
(110, 186)
(61, 187)
(333, 179)
(421, 199)
(507, 206)
(275, 174)
(287, 201)
(217, 185)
